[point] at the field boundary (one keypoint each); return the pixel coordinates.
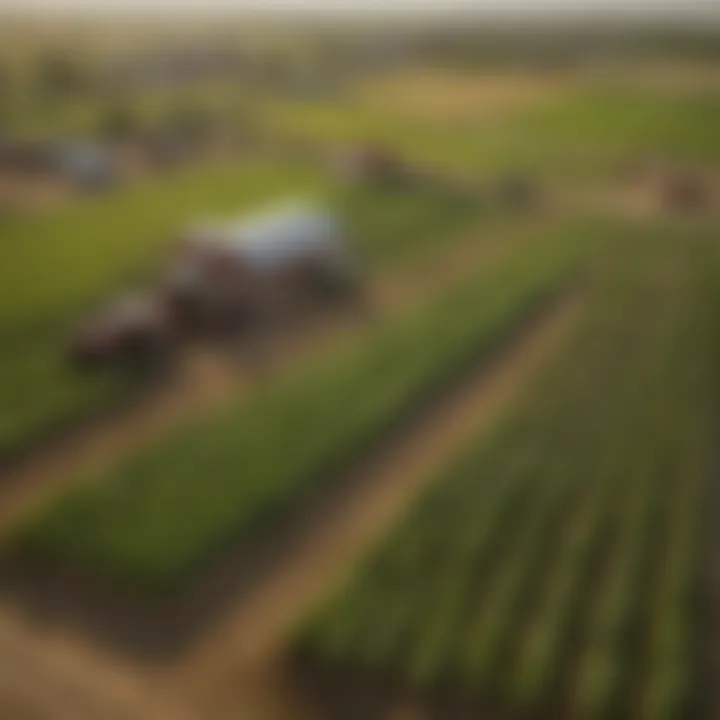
(238, 591)
(47, 468)
(319, 547)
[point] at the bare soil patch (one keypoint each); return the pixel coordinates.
(50, 677)
(24, 193)
(449, 96)
(207, 379)
(341, 527)
(217, 649)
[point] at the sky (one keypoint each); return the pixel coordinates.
(644, 8)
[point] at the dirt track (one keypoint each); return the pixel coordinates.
(206, 380)
(234, 667)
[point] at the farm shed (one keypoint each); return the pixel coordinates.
(275, 238)
(227, 267)
(138, 326)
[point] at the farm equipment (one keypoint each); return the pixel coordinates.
(227, 277)
(25, 158)
(138, 330)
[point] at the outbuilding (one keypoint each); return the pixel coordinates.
(242, 264)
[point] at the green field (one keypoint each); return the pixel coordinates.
(152, 522)
(556, 565)
(57, 267)
(588, 131)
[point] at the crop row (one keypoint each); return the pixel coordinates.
(52, 269)
(554, 567)
(159, 515)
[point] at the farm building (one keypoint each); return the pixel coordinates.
(226, 267)
(224, 275)
(275, 239)
(138, 326)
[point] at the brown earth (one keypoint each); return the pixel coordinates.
(206, 379)
(234, 664)
(234, 668)
(454, 96)
(19, 193)
(47, 675)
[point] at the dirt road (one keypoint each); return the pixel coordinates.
(234, 668)
(208, 379)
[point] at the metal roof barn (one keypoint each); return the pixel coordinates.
(276, 238)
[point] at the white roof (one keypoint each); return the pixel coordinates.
(272, 237)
